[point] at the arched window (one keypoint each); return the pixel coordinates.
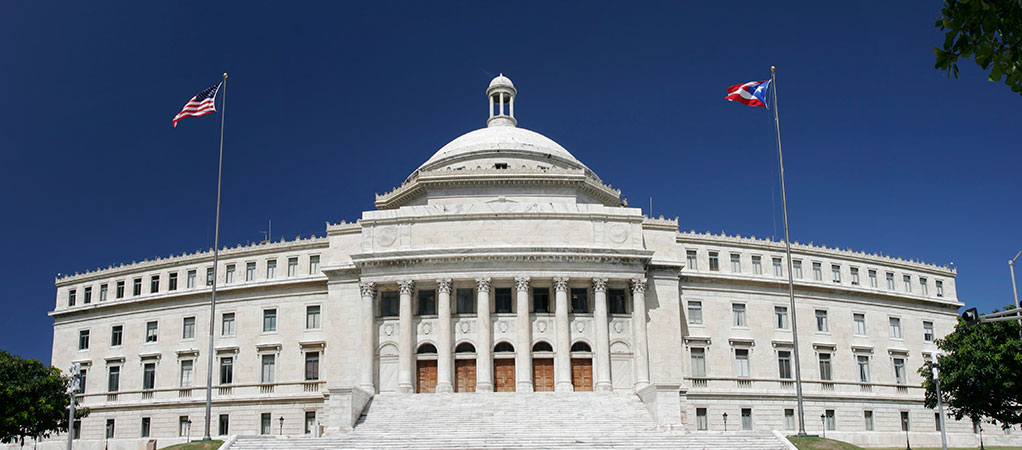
(465, 347)
(581, 347)
(542, 347)
(426, 349)
(504, 347)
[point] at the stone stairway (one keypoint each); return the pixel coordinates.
(513, 421)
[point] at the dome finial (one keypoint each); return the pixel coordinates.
(501, 93)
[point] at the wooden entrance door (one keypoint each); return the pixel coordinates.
(582, 374)
(543, 374)
(465, 375)
(504, 375)
(427, 376)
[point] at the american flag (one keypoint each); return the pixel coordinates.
(200, 105)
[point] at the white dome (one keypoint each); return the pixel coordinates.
(505, 140)
(501, 81)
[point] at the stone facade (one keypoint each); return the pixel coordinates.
(498, 254)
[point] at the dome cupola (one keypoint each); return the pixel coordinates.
(502, 102)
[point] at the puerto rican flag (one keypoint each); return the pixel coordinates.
(752, 93)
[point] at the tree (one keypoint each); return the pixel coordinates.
(989, 31)
(33, 399)
(980, 372)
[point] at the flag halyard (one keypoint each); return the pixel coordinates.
(200, 105)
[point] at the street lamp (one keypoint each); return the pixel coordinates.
(904, 424)
(981, 447)
(823, 423)
(72, 389)
(725, 422)
(940, 402)
(281, 425)
(188, 430)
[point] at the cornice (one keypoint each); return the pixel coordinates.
(519, 254)
(662, 224)
(343, 227)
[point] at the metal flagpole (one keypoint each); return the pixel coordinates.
(216, 244)
(787, 250)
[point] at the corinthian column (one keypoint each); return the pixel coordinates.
(523, 357)
(562, 346)
(368, 336)
(602, 320)
(484, 351)
(444, 360)
(404, 358)
(641, 351)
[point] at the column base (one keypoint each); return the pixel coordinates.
(604, 386)
(484, 387)
(444, 388)
(564, 386)
(524, 386)
(405, 388)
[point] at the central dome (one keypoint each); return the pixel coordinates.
(501, 141)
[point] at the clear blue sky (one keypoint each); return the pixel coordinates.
(328, 105)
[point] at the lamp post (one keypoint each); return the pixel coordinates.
(725, 422)
(904, 424)
(188, 430)
(281, 425)
(940, 403)
(1014, 290)
(75, 372)
(981, 447)
(823, 423)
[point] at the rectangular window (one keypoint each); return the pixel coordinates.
(579, 301)
(781, 317)
(229, 274)
(502, 300)
(928, 331)
(825, 373)
(264, 423)
(427, 302)
(467, 304)
(71, 297)
(389, 304)
(102, 292)
(701, 422)
(863, 362)
(895, 328)
(154, 284)
(226, 370)
(618, 301)
(76, 429)
(136, 287)
(778, 271)
(271, 269)
(292, 266)
(115, 335)
(907, 279)
(923, 288)
(936, 421)
(88, 296)
(314, 265)
(113, 381)
(784, 365)
(904, 421)
(268, 365)
(738, 314)
(746, 418)
(249, 271)
(310, 421)
(714, 262)
(311, 366)
(695, 312)
(184, 426)
(829, 415)
(190, 280)
(150, 331)
(868, 417)
(757, 265)
(188, 328)
(110, 428)
(269, 320)
(742, 363)
(817, 271)
(940, 288)
(890, 281)
(796, 268)
(82, 380)
(698, 362)
(691, 256)
(899, 370)
(859, 324)
(855, 275)
(227, 324)
(835, 271)
(209, 276)
(821, 321)
(146, 426)
(312, 317)
(120, 289)
(789, 419)
(186, 373)
(225, 422)
(736, 263)
(149, 376)
(872, 278)
(83, 340)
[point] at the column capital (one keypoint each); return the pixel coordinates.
(368, 288)
(443, 285)
(638, 285)
(561, 284)
(483, 284)
(599, 285)
(406, 286)
(522, 283)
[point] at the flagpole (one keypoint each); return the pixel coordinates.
(787, 250)
(216, 244)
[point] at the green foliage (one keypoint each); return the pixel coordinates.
(33, 399)
(979, 372)
(989, 31)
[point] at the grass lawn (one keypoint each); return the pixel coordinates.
(205, 445)
(815, 443)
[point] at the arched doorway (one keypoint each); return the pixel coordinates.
(465, 368)
(425, 368)
(503, 367)
(581, 367)
(386, 377)
(542, 367)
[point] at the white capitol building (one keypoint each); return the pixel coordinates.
(503, 264)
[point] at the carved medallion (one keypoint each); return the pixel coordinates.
(541, 326)
(388, 329)
(580, 326)
(426, 328)
(617, 233)
(502, 326)
(385, 236)
(618, 327)
(464, 327)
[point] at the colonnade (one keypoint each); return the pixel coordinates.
(484, 335)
